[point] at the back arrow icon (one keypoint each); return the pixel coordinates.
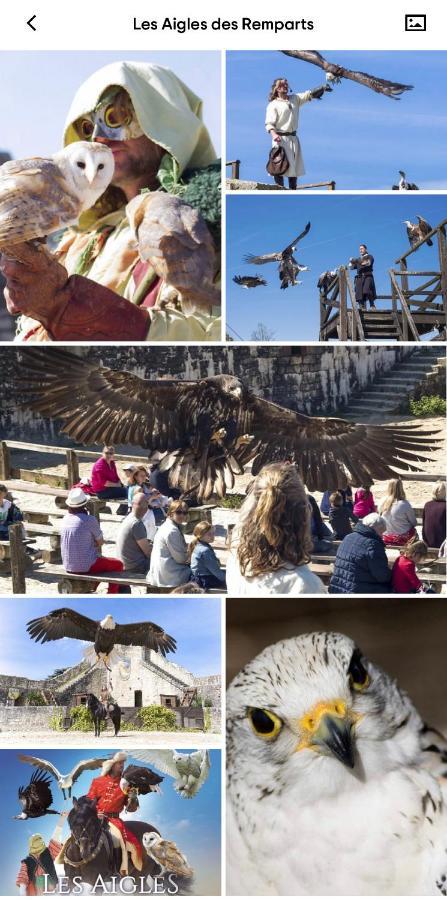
(30, 22)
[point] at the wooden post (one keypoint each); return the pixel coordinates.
(5, 464)
(72, 468)
(235, 168)
(343, 307)
(95, 506)
(442, 250)
(17, 559)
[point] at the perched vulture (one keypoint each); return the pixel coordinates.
(288, 266)
(416, 231)
(65, 782)
(404, 185)
(391, 89)
(104, 634)
(190, 770)
(325, 280)
(249, 281)
(36, 798)
(211, 428)
(140, 780)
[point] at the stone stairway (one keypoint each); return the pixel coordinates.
(387, 393)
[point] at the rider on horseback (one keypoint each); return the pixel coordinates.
(111, 801)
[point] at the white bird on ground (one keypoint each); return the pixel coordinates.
(335, 786)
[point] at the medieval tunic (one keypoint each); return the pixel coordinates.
(33, 869)
(365, 288)
(111, 801)
(282, 116)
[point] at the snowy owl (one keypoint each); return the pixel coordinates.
(39, 196)
(335, 786)
(190, 770)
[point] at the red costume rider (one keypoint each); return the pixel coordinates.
(111, 800)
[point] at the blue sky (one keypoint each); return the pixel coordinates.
(193, 621)
(38, 87)
(354, 136)
(194, 824)
(264, 223)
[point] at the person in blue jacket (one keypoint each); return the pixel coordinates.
(205, 566)
(361, 564)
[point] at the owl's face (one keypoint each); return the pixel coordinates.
(90, 168)
(313, 716)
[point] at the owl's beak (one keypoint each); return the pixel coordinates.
(328, 729)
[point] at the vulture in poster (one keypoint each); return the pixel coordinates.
(209, 429)
(391, 89)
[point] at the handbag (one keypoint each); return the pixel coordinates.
(277, 163)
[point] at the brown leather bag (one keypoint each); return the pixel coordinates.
(277, 163)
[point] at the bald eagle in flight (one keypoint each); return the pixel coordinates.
(209, 428)
(249, 281)
(68, 623)
(391, 89)
(36, 798)
(288, 266)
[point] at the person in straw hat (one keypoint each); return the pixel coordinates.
(82, 540)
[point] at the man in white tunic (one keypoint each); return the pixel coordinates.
(281, 121)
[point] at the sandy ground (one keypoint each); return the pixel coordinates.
(126, 740)
(39, 584)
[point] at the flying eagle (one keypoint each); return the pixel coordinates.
(65, 782)
(288, 266)
(404, 185)
(36, 798)
(391, 89)
(249, 281)
(140, 780)
(211, 428)
(417, 231)
(65, 622)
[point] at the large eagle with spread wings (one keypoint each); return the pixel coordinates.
(391, 89)
(212, 427)
(288, 267)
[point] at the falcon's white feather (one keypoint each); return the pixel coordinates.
(190, 770)
(39, 196)
(302, 822)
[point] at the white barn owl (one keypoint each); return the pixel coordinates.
(39, 196)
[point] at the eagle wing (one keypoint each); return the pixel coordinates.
(330, 450)
(101, 406)
(391, 89)
(261, 260)
(41, 764)
(288, 249)
(34, 200)
(60, 623)
(161, 759)
(145, 634)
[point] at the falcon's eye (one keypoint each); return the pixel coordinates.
(80, 165)
(264, 723)
(358, 676)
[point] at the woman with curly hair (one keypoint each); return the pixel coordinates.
(281, 122)
(272, 546)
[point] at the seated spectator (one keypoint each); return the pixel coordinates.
(134, 548)
(105, 479)
(148, 519)
(205, 565)
(398, 513)
(169, 558)
(139, 481)
(434, 517)
(347, 499)
(340, 516)
(321, 534)
(404, 577)
(129, 469)
(10, 514)
(272, 545)
(364, 502)
(82, 539)
(361, 565)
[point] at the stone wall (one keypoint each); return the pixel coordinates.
(315, 379)
(29, 718)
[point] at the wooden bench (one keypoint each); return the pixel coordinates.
(70, 583)
(60, 495)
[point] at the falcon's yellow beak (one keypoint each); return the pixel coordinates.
(327, 728)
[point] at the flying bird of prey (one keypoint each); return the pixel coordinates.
(249, 281)
(320, 737)
(211, 427)
(404, 185)
(166, 854)
(39, 196)
(391, 89)
(325, 280)
(36, 798)
(175, 239)
(288, 266)
(190, 770)
(139, 780)
(416, 231)
(104, 634)
(67, 781)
